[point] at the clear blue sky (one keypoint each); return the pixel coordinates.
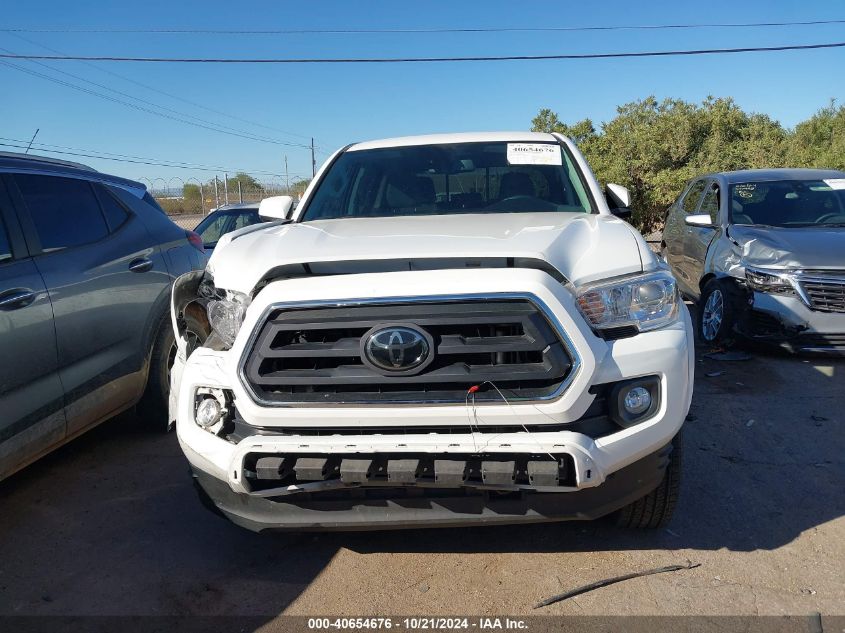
(341, 104)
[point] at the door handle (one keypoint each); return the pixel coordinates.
(16, 298)
(140, 265)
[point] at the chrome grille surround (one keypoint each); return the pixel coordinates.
(538, 304)
(822, 290)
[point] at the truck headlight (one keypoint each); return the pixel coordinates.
(227, 315)
(646, 301)
(771, 281)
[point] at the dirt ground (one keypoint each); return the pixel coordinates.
(110, 525)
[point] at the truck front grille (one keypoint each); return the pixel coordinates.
(314, 355)
(826, 292)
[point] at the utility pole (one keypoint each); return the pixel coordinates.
(240, 194)
(226, 187)
(313, 160)
(287, 178)
(202, 200)
(216, 193)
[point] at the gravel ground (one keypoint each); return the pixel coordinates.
(110, 525)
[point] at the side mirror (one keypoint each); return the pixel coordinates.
(619, 200)
(276, 208)
(701, 219)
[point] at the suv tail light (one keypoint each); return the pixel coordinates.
(196, 241)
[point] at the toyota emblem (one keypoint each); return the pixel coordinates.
(397, 348)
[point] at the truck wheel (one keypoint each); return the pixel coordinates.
(656, 508)
(153, 405)
(716, 314)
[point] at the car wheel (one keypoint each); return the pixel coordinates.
(656, 508)
(153, 406)
(716, 313)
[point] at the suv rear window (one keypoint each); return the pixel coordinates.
(115, 214)
(492, 177)
(65, 211)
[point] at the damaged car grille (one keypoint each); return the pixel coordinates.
(825, 292)
(323, 354)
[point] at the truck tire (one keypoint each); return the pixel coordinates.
(717, 312)
(153, 405)
(656, 508)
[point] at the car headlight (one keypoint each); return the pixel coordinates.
(648, 302)
(226, 315)
(771, 281)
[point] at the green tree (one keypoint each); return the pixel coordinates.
(654, 147)
(820, 140)
(247, 182)
(191, 198)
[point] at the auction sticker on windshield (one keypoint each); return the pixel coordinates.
(534, 154)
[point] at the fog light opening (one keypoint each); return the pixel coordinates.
(212, 408)
(633, 401)
(637, 401)
(208, 413)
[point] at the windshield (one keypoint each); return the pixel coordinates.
(495, 177)
(789, 203)
(216, 225)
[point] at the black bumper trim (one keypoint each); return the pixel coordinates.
(421, 508)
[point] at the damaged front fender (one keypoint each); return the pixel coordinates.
(185, 292)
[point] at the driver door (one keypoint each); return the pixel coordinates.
(675, 233)
(698, 238)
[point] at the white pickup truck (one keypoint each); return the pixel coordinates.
(451, 329)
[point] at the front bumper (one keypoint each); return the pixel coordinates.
(219, 465)
(787, 321)
(380, 508)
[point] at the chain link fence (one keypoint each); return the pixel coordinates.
(188, 202)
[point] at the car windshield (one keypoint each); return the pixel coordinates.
(789, 203)
(216, 225)
(492, 177)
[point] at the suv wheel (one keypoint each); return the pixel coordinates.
(153, 406)
(656, 508)
(716, 314)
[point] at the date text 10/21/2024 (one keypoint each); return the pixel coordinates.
(418, 624)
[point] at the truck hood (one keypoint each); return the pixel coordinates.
(581, 247)
(805, 247)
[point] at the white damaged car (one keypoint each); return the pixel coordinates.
(451, 329)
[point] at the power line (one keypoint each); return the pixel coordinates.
(549, 29)
(401, 60)
(210, 124)
(128, 158)
(158, 90)
(180, 119)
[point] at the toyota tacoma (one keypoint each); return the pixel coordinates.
(446, 330)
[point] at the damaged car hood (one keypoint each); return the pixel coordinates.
(581, 247)
(805, 247)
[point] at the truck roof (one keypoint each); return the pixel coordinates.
(460, 137)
